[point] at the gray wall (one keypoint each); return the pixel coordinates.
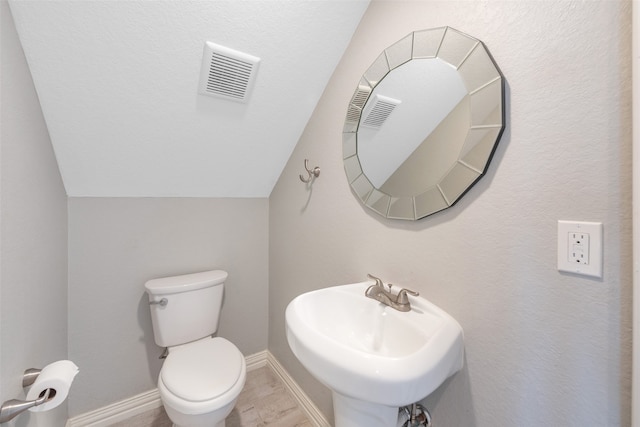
(542, 347)
(117, 244)
(33, 233)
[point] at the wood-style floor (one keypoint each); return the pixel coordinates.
(264, 401)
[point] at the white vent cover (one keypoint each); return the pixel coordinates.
(227, 73)
(357, 102)
(361, 96)
(378, 111)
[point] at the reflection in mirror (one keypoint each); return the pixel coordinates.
(423, 123)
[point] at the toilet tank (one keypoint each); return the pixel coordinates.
(192, 309)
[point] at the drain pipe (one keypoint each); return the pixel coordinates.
(415, 415)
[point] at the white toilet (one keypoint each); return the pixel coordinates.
(202, 376)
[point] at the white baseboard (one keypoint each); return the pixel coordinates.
(143, 402)
(119, 411)
(308, 407)
(258, 360)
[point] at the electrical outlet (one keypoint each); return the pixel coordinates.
(580, 247)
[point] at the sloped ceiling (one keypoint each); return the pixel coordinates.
(118, 85)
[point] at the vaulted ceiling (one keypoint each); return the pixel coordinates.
(118, 85)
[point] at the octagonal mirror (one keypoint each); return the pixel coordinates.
(423, 123)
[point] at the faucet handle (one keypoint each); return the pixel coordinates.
(378, 281)
(402, 295)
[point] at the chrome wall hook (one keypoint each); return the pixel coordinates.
(315, 172)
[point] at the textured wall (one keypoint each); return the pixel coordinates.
(134, 105)
(33, 234)
(542, 347)
(117, 244)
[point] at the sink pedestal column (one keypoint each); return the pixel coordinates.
(349, 412)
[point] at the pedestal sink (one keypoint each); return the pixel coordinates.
(374, 358)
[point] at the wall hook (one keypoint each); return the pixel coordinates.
(312, 172)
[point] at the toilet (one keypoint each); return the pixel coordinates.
(202, 376)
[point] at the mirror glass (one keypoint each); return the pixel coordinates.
(423, 123)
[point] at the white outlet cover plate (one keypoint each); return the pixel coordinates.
(594, 230)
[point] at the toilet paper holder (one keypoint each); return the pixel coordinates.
(14, 407)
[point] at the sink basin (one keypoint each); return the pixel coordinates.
(374, 358)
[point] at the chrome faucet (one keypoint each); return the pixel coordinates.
(400, 301)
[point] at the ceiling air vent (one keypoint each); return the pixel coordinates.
(378, 111)
(227, 73)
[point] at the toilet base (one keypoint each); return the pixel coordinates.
(220, 424)
(209, 419)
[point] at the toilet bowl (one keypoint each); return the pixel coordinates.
(202, 376)
(200, 382)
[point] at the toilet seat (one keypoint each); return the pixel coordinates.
(202, 375)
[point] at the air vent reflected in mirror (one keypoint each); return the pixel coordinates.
(378, 110)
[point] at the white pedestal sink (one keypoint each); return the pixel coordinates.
(374, 358)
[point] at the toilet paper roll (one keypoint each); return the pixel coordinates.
(57, 376)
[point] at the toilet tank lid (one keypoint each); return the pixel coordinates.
(185, 282)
